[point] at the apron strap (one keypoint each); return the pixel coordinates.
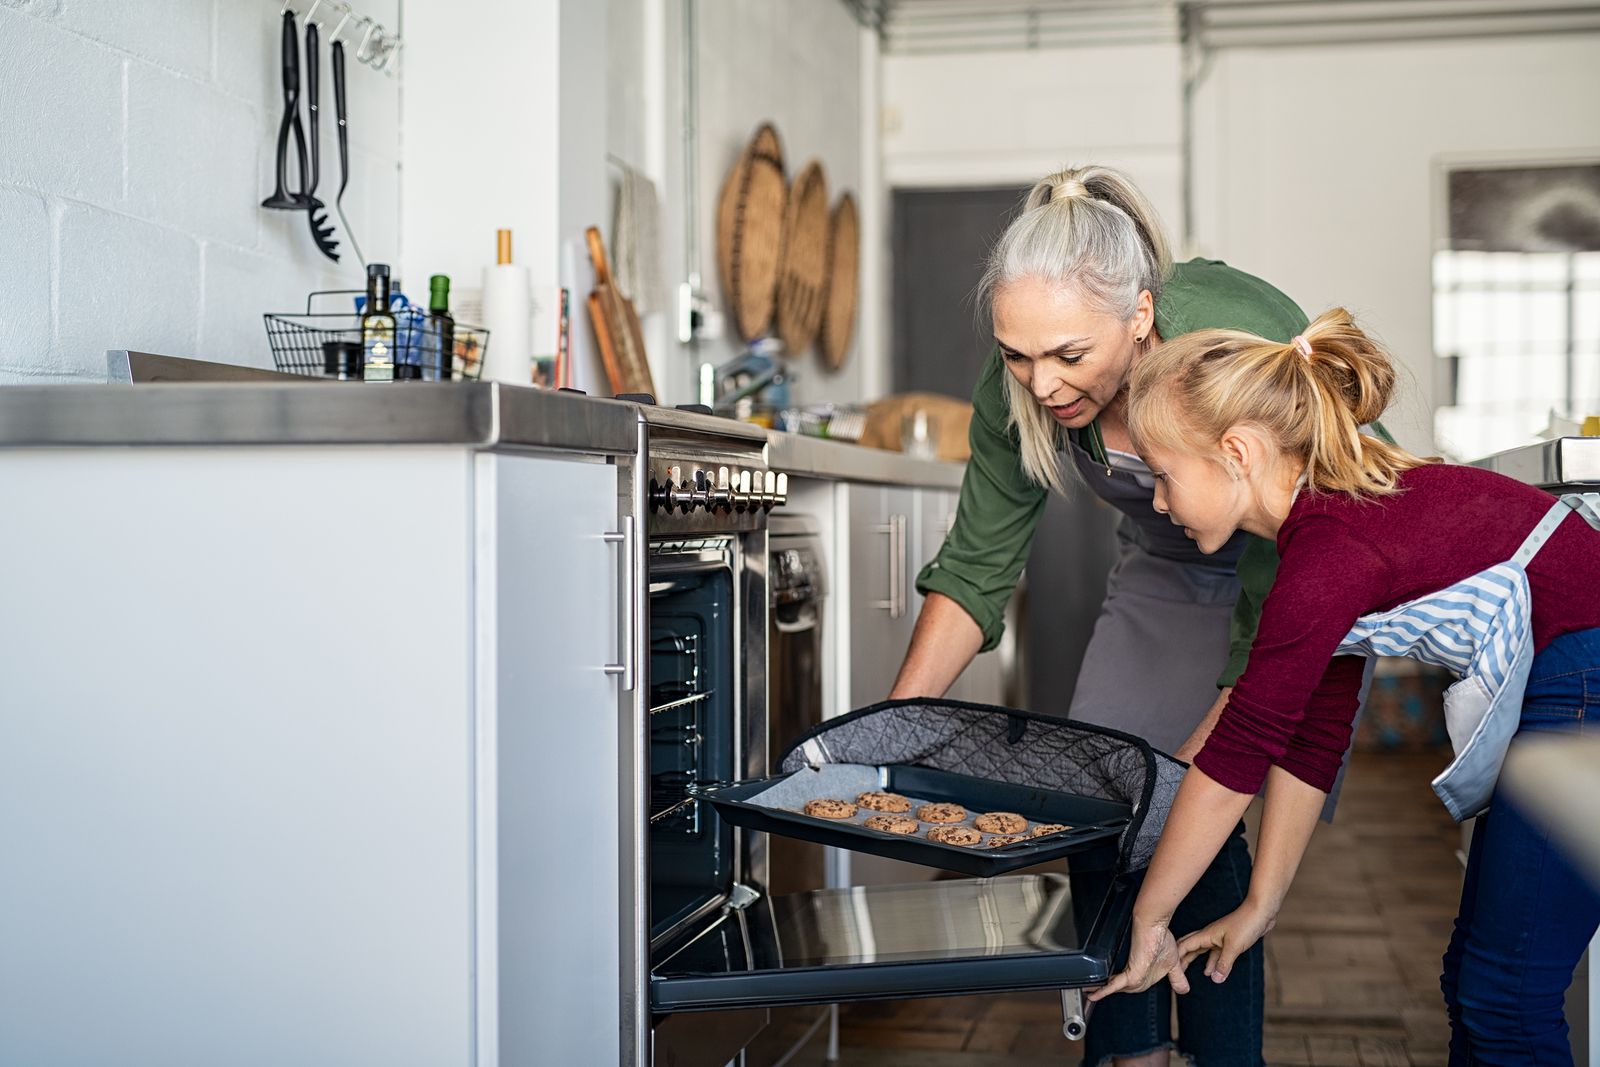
(1585, 504)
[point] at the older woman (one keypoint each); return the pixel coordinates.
(1079, 286)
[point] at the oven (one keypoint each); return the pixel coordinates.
(712, 955)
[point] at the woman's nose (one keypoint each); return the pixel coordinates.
(1043, 383)
(1160, 500)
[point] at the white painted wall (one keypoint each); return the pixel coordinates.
(1008, 119)
(1317, 167)
(136, 143)
(796, 63)
(504, 127)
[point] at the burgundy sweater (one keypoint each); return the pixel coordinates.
(1340, 559)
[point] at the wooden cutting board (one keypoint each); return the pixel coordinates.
(616, 327)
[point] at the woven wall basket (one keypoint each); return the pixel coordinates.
(840, 289)
(750, 232)
(803, 268)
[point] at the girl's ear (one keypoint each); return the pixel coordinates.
(1244, 451)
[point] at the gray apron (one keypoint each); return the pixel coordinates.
(1161, 639)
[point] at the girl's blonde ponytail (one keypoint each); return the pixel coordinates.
(1312, 395)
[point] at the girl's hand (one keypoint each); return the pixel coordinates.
(1152, 956)
(1227, 939)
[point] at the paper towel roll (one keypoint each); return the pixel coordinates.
(508, 315)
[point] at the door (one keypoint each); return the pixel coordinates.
(550, 551)
(881, 611)
(939, 240)
(968, 936)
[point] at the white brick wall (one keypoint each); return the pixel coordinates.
(136, 143)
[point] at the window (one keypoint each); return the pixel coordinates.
(1516, 305)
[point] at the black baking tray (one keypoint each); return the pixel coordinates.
(1094, 821)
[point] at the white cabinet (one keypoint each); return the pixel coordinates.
(285, 733)
(547, 626)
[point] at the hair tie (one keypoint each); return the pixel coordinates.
(1066, 190)
(1302, 346)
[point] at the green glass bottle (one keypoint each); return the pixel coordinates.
(438, 361)
(377, 327)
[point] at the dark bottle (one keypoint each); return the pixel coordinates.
(377, 327)
(439, 353)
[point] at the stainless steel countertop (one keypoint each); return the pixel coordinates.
(1565, 461)
(478, 414)
(191, 402)
(815, 457)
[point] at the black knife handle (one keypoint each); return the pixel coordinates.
(340, 114)
(313, 95)
(291, 61)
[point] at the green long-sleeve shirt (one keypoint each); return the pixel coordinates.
(983, 556)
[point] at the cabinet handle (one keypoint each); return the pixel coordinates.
(892, 602)
(630, 601)
(900, 565)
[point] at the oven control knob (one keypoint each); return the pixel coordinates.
(660, 495)
(700, 492)
(768, 491)
(780, 495)
(741, 494)
(720, 497)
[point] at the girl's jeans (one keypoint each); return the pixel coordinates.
(1526, 914)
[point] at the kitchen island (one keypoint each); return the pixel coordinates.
(301, 680)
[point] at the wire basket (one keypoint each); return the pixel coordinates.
(298, 342)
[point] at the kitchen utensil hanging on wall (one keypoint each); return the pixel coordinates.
(341, 115)
(616, 327)
(803, 263)
(839, 290)
(750, 232)
(316, 210)
(282, 199)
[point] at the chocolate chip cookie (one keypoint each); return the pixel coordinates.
(1000, 822)
(1003, 839)
(954, 835)
(887, 802)
(891, 824)
(1048, 828)
(826, 808)
(941, 813)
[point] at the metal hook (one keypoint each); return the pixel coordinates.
(361, 49)
(345, 8)
(312, 14)
(285, 10)
(391, 48)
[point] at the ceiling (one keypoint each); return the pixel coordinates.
(910, 27)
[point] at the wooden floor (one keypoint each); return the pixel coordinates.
(1352, 968)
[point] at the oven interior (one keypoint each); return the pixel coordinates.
(692, 723)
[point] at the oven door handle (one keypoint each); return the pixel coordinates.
(630, 601)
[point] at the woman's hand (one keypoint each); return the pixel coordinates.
(1227, 939)
(1152, 956)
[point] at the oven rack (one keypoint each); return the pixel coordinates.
(682, 702)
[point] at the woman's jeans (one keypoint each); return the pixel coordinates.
(1218, 1025)
(1526, 915)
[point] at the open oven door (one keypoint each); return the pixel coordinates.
(971, 936)
(927, 939)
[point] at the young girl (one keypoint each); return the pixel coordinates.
(1381, 553)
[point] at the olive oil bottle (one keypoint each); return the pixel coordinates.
(377, 327)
